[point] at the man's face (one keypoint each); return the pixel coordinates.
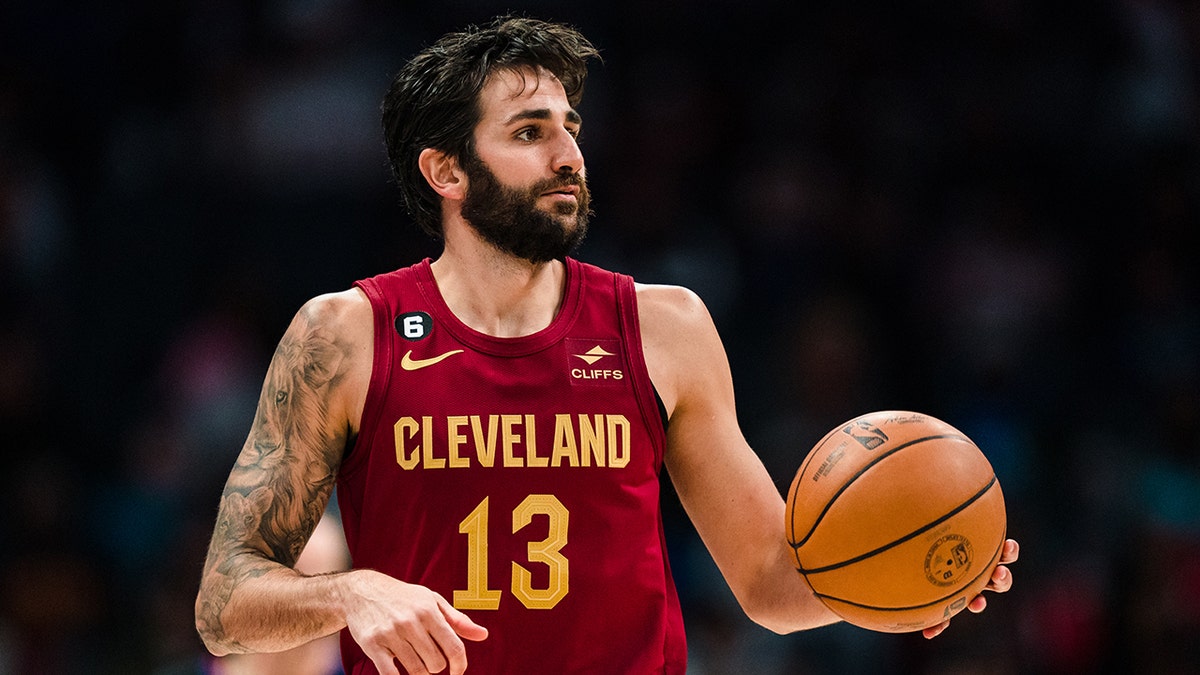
(526, 191)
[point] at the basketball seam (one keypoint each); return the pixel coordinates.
(924, 528)
(796, 483)
(986, 570)
(845, 486)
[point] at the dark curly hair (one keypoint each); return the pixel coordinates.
(433, 102)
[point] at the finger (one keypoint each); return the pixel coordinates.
(446, 636)
(977, 605)
(934, 631)
(1012, 550)
(429, 650)
(413, 663)
(384, 662)
(1001, 580)
(450, 651)
(462, 624)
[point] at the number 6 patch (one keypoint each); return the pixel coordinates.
(414, 326)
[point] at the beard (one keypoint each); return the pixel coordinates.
(509, 218)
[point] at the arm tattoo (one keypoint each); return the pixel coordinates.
(285, 473)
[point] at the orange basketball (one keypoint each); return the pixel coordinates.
(897, 521)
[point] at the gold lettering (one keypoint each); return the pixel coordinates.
(455, 439)
(591, 440)
(427, 457)
(509, 437)
(618, 449)
(485, 450)
(564, 442)
(531, 455)
(597, 440)
(405, 429)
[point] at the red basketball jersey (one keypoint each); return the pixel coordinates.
(519, 478)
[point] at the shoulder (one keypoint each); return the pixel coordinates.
(336, 310)
(658, 302)
(676, 315)
(331, 342)
(342, 319)
(677, 333)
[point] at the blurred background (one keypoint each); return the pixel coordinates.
(985, 211)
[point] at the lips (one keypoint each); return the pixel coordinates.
(570, 190)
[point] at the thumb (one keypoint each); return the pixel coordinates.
(462, 624)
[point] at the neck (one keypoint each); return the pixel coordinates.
(498, 294)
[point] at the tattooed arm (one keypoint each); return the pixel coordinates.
(250, 599)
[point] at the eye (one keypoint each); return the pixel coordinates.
(528, 134)
(281, 397)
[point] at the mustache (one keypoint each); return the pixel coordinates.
(558, 182)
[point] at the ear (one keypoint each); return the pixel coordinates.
(443, 173)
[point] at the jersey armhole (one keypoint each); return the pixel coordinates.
(662, 407)
(649, 401)
(381, 368)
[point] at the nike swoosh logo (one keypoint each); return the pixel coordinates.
(409, 363)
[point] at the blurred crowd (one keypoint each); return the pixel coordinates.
(984, 211)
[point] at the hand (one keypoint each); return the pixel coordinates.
(1001, 581)
(393, 620)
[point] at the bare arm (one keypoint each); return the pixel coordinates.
(250, 599)
(722, 484)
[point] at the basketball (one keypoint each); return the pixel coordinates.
(897, 521)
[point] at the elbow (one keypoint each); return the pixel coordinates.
(208, 626)
(787, 610)
(784, 622)
(213, 642)
(776, 622)
(215, 648)
(777, 627)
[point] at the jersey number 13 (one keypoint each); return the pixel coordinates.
(478, 595)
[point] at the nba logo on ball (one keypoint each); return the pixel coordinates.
(865, 433)
(896, 520)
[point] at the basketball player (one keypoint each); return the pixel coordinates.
(496, 420)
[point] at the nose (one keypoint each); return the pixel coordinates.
(568, 158)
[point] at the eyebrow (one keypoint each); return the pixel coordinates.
(542, 114)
